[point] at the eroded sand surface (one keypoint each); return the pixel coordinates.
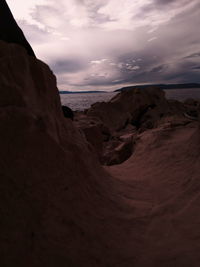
(163, 181)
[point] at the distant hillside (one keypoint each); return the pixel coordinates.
(80, 92)
(162, 86)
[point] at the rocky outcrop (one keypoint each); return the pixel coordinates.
(68, 112)
(141, 108)
(9, 30)
(128, 114)
(55, 199)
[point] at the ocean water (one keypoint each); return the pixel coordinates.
(85, 100)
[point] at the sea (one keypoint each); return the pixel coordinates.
(83, 101)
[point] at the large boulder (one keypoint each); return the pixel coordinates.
(132, 106)
(131, 112)
(68, 112)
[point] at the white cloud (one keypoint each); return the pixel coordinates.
(133, 67)
(22, 10)
(152, 39)
(125, 15)
(99, 61)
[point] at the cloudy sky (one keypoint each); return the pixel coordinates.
(107, 44)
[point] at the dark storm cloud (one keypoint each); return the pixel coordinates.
(196, 68)
(113, 43)
(176, 39)
(166, 2)
(171, 3)
(158, 69)
(163, 60)
(68, 65)
(194, 55)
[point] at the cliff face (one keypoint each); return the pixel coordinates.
(55, 198)
(53, 191)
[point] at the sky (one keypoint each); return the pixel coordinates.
(108, 44)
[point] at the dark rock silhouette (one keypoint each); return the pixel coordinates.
(161, 86)
(68, 112)
(192, 109)
(10, 31)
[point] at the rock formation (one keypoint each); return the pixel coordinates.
(60, 207)
(128, 114)
(55, 201)
(68, 113)
(9, 30)
(130, 107)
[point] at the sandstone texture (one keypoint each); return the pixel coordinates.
(55, 197)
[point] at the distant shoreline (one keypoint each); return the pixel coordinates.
(81, 92)
(160, 86)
